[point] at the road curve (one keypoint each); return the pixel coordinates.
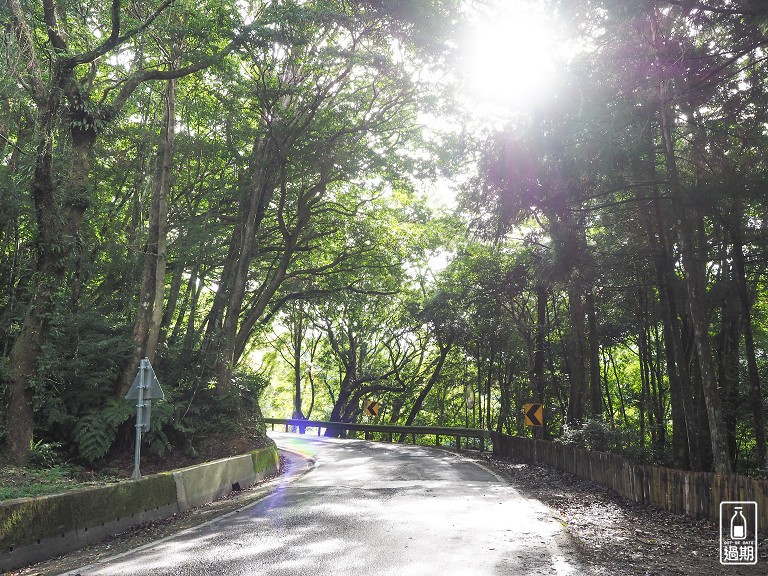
(369, 509)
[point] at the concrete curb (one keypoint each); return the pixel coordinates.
(36, 529)
(263, 492)
(198, 485)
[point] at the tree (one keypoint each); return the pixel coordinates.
(333, 105)
(326, 100)
(72, 100)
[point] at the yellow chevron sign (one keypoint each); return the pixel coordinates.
(371, 408)
(534, 414)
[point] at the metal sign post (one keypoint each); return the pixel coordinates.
(139, 408)
(145, 387)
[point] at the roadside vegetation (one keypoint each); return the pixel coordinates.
(30, 482)
(250, 195)
(47, 473)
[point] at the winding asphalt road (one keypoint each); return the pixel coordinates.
(368, 509)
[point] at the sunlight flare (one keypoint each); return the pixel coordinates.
(510, 53)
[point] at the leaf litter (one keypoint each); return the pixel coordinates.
(618, 537)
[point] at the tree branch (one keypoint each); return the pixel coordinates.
(715, 9)
(114, 40)
(24, 37)
(52, 24)
(130, 85)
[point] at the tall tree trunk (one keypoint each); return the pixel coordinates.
(595, 394)
(505, 393)
(694, 281)
(489, 385)
(608, 399)
(680, 385)
(50, 277)
(146, 327)
(685, 452)
(657, 385)
(755, 392)
(578, 352)
(444, 349)
(642, 325)
(477, 411)
(59, 210)
(19, 419)
(225, 315)
(340, 407)
(537, 372)
(728, 364)
(297, 337)
(173, 297)
(165, 161)
(622, 403)
(700, 405)
(196, 283)
(349, 362)
(693, 272)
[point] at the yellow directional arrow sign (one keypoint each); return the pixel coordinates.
(534, 414)
(372, 408)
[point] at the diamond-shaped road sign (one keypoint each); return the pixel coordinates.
(372, 408)
(534, 414)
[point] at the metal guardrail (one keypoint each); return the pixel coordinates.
(388, 431)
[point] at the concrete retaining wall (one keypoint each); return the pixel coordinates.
(35, 529)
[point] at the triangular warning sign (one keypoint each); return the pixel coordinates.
(152, 387)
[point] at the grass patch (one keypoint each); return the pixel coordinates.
(23, 482)
(30, 481)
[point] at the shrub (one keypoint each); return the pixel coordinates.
(45, 454)
(600, 436)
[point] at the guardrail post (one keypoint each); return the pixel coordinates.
(437, 439)
(458, 442)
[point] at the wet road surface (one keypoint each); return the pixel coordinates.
(369, 509)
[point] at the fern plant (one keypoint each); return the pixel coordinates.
(45, 454)
(94, 436)
(162, 422)
(95, 432)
